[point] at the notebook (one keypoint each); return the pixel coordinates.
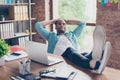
(59, 74)
(15, 55)
(38, 52)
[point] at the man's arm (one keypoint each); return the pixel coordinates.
(48, 22)
(77, 31)
(40, 28)
(73, 22)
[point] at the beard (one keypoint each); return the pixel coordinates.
(60, 31)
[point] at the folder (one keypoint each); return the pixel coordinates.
(59, 74)
(16, 55)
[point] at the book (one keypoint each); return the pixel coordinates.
(13, 1)
(18, 12)
(65, 74)
(1, 31)
(7, 1)
(14, 12)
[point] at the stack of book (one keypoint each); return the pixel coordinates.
(6, 30)
(10, 1)
(19, 12)
(5, 1)
(20, 41)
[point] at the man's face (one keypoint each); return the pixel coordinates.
(60, 26)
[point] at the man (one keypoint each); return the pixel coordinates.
(65, 43)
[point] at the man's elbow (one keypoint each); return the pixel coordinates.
(38, 25)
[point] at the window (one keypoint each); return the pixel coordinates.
(84, 10)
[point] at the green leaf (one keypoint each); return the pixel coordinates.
(4, 48)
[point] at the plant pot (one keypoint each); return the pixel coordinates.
(2, 61)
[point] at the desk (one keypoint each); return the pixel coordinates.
(11, 69)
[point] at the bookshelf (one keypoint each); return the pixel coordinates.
(16, 21)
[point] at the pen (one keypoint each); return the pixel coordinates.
(13, 78)
(71, 76)
(19, 78)
(27, 61)
(21, 62)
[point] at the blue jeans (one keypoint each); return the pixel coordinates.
(82, 59)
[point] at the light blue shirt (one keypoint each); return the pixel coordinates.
(52, 37)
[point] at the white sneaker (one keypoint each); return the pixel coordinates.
(105, 57)
(99, 38)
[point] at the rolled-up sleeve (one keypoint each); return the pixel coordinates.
(42, 31)
(77, 31)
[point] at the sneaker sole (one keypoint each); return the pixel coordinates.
(106, 55)
(99, 38)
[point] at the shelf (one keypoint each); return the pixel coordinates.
(12, 4)
(15, 20)
(19, 35)
(23, 34)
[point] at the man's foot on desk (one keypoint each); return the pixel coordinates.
(99, 38)
(100, 65)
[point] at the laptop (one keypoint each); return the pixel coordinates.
(38, 52)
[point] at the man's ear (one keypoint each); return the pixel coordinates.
(55, 23)
(65, 20)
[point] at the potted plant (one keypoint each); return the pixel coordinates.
(4, 48)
